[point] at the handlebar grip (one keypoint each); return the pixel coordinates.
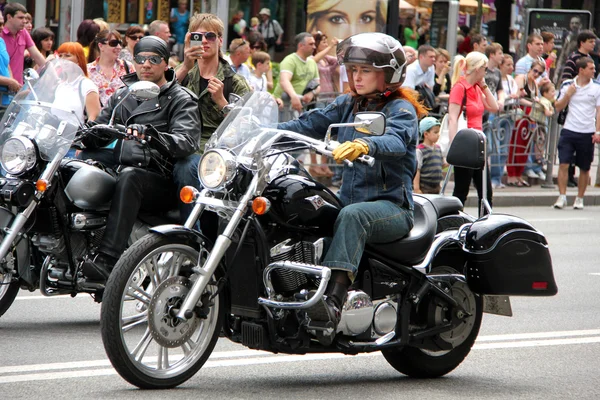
(370, 161)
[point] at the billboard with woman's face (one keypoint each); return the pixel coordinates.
(343, 18)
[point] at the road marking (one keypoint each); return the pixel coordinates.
(95, 368)
(57, 297)
(557, 219)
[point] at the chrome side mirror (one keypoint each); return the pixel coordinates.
(233, 100)
(144, 90)
(30, 74)
(141, 90)
(370, 123)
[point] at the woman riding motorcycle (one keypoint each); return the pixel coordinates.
(378, 205)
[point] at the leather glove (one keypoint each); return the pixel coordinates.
(350, 151)
(136, 131)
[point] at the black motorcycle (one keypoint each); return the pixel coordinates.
(53, 209)
(418, 300)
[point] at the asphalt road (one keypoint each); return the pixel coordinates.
(550, 349)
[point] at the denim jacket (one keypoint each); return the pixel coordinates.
(394, 152)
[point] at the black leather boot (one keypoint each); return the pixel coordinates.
(326, 314)
(98, 269)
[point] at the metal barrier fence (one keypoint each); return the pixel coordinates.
(515, 136)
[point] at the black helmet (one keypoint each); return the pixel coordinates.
(376, 49)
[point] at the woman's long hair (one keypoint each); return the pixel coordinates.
(102, 36)
(86, 32)
(467, 64)
(77, 50)
(40, 34)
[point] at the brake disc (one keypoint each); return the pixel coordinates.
(466, 299)
(165, 327)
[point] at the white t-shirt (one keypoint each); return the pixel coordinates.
(416, 76)
(510, 87)
(67, 99)
(343, 77)
(581, 116)
(258, 84)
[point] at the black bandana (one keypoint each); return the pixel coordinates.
(152, 44)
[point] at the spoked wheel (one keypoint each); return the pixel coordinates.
(147, 345)
(421, 363)
(8, 291)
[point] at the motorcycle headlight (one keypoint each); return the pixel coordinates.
(216, 169)
(18, 155)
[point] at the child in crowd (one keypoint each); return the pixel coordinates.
(430, 160)
(545, 107)
(258, 78)
(540, 113)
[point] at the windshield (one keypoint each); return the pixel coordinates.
(254, 116)
(47, 110)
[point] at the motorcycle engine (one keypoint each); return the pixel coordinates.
(286, 281)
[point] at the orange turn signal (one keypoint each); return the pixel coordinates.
(188, 194)
(41, 185)
(260, 205)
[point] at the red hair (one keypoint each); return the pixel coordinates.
(75, 49)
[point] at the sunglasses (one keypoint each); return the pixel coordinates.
(112, 43)
(257, 47)
(537, 71)
(136, 38)
(210, 36)
(154, 60)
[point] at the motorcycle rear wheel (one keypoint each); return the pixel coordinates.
(421, 363)
(147, 346)
(8, 292)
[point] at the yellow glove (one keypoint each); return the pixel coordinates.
(350, 151)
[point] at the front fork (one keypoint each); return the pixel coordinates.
(221, 245)
(15, 229)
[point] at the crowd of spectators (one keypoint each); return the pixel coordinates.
(520, 87)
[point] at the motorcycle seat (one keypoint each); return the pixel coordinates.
(411, 249)
(444, 205)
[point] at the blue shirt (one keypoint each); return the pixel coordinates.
(395, 152)
(4, 59)
(181, 25)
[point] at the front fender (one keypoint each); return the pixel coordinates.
(22, 251)
(182, 231)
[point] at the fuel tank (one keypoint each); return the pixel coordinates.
(88, 187)
(301, 203)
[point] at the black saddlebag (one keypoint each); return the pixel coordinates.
(508, 256)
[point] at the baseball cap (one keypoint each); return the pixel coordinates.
(427, 123)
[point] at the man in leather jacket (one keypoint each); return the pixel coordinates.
(170, 124)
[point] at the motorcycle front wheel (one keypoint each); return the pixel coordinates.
(145, 343)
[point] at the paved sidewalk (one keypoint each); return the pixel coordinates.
(532, 196)
(535, 195)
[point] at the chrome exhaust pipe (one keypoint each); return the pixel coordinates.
(319, 271)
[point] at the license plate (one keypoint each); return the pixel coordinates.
(499, 305)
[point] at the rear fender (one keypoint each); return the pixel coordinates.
(22, 251)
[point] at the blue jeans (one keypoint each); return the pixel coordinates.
(378, 221)
(185, 173)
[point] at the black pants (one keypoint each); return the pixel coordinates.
(462, 181)
(137, 190)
